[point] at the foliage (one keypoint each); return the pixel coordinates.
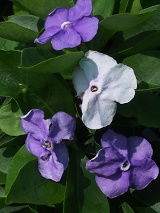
(34, 76)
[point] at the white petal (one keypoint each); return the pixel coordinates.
(119, 84)
(97, 111)
(103, 62)
(80, 81)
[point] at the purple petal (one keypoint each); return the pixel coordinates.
(106, 163)
(33, 122)
(56, 18)
(47, 35)
(87, 28)
(63, 126)
(67, 38)
(118, 141)
(143, 173)
(80, 9)
(114, 185)
(34, 146)
(138, 149)
(61, 152)
(97, 110)
(51, 168)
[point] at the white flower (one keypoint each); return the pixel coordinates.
(100, 82)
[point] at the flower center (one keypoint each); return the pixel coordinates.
(46, 144)
(46, 157)
(125, 165)
(94, 88)
(65, 24)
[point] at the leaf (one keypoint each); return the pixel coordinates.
(82, 190)
(26, 185)
(103, 8)
(146, 67)
(21, 28)
(44, 91)
(44, 6)
(63, 64)
(6, 155)
(6, 44)
(19, 209)
(126, 208)
(2, 197)
(144, 107)
(10, 119)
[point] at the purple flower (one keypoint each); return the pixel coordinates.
(46, 141)
(66, 28)
(123, 163)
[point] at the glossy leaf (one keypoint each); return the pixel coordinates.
(63, 64)
(144, 107)
(25, 184)
(20, 28)
(82, 190)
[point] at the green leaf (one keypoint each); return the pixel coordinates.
(44, 91)
(102, 8)
(2, 197)
(6, 44)
(126, 208)
(23, 28)
(146, 67)
(144, 107)
(63, 64)
(44, 6)
(6, 140)
(81, 189)
(26, 185)
(10, 119)
(19, 209)
(6, 155)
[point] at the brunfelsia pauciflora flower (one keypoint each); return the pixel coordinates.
(122, 163)
(101, 83)
(46, 140)
(67, 28)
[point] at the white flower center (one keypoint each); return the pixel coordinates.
(65, 24)
(125, 165)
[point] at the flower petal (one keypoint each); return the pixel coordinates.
(61, 152)
(118, 141)
(120, 82)
(47, 35)
(97, 110)
(80, 81)
(56, 18)
(142, 174)
(33, 122)
(103, 62)
(138, 149)
(67, 38)
(87, 28)
(63, 126)
(51, 168)
(114, 185)
(106, 163)
(34, 146)
(80, 9)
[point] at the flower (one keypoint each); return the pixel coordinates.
(46, 141)
(100, 82)
(122, 163)
(66, 28)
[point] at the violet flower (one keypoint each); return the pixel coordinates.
(100, 82)
(67, 28)
(122, 163)
(46, 140)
